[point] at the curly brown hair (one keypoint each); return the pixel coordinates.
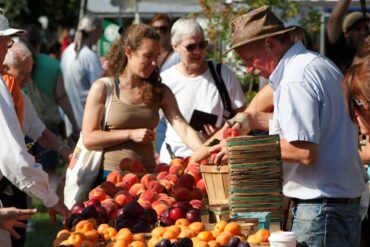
(132, 38)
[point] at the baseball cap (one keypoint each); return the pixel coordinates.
(5, 29)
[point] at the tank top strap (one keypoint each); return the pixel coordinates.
(116, 88)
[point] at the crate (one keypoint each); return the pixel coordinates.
(255, 175)
(216, 180)
(219, 212)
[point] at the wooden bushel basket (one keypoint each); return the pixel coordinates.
(216, 180)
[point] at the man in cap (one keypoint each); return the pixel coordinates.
(323, 173)
(16, 164)
(344, 34)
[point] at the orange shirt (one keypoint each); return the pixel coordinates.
(17, 96)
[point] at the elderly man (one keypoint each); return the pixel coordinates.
(16, 164)
(323, 173)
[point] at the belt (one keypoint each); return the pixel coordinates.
(328, 200)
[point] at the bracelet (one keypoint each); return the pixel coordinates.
(61, 148)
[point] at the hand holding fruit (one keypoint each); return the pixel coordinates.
(240, 122)
(59, 208)
(142, 135)
(10, 218)
(218, 152)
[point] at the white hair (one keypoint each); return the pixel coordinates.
(185, 26)
(18, 53)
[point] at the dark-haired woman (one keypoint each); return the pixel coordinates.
(137, 96)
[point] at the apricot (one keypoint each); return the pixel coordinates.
(205, 235)
(153, 241)
(220, 226)
(84, 226)
(186, 233)
(92, 235)
(109, 233)
(177, 161)
(170, 234)
(101, 227)
(201, 243)
(158, 231)
(76, 239)
(138, 237)
(93, 222)
(118, 243)
(124, 234)
(233, 227)
(174, 228)
(182, 222)
(137, 244)
(263, 234)
(254, 239)
(213, 243)
(197, 227)
(89, 243)
(223, 238)
(63, 235)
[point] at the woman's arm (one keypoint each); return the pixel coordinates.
(178, 123)
(334, 25)
(93, 136)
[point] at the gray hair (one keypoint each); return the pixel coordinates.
(88, 24)
(18, 53)
(185, 26)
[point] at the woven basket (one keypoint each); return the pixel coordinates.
(216, 180)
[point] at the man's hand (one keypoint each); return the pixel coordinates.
(240, 122)
(59, 208)
(10, 218)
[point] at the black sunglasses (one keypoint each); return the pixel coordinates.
(201, 45)
(163, 29)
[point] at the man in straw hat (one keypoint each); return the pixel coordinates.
(323, 173)
(16, 164)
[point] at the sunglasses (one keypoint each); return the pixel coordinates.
(357, 104)
(201, 45)
(163, 29)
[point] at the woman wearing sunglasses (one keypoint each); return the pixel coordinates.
(194, 87)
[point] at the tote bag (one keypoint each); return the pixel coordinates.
(84, 166)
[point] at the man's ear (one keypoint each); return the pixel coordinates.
(175, 47)
(128, 52)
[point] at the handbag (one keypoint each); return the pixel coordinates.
(85, 164)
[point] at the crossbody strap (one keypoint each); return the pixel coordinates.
(220, 84)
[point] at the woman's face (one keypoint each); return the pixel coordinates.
(142, 62)
(192, 50)
(362, 113)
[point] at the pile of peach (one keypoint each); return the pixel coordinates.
(87, 234)
(222, 234)
(261, 236)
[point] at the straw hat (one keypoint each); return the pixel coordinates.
(257, 24)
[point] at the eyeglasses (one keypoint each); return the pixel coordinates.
(201, 45)
(163, 29)
(10, 43)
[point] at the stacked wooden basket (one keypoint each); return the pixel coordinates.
(255, 171)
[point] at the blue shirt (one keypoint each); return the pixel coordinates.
(309, 106)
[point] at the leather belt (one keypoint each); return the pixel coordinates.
(329, 200)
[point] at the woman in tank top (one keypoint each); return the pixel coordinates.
(137, 96)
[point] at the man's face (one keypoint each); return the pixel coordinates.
(257, 58)
(21, 72)
(357, 33)
(4, 42)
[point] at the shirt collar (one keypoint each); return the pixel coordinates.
(277, 74)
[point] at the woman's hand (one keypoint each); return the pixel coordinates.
(219, 152)
(142, 135)
(10, 218)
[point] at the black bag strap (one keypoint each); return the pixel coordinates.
(220, 84)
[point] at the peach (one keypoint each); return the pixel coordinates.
(181, 194)
(136, 166)
(196, 174)
(196, 194)
(131, 179)
(202, 186)
(192, 167)
(155, 186)
(162, 175)
(166, 184)
(137, 189)
(125, 163)
(197, 204)
(176, 169)
(233, 227)
(109, 188)
(146, 179)
(144, 204)
(148, 196)
(224, 238)
(122, 198)
(97, 194)
(172, 178)
(112, 208)
(160, 207)
(187, 181)
(177, 161)
(161, 167)
(114, 177)
(122, 186)
(186, 160)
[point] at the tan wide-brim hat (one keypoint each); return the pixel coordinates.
(352, 18)
(255, 25)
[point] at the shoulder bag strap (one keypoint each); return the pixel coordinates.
(220, 84)
(109, 84)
